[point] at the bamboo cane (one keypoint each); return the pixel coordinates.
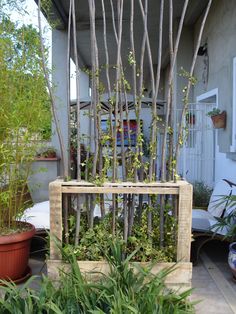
(185, 107)
(77, 92)
(94, 84)
(153, 146)
(107, 67)
(170, 79)
(68, 86)
(138, 109)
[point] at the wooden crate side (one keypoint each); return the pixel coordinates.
(180, 276)
(125, 184)
(58, 187)
(184, 223)
(55, 198)
(120, 190)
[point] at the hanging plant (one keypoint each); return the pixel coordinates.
(218, 118)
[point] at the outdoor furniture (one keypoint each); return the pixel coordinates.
(39, 216)
(203, 221)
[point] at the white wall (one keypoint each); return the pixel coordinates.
(59, 57)
(220, 36)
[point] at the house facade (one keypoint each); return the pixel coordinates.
(209, 154)
(214, 149)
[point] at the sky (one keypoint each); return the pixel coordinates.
(32, 18)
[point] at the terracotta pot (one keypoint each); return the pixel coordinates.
(14, 253)
(219, 120)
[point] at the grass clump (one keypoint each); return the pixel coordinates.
(124, 290)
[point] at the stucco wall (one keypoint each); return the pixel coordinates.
(184, 61)
(220, 36)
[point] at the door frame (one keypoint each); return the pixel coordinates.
(202, 98)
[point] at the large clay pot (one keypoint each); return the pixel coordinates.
(232, 258)
(14, 253)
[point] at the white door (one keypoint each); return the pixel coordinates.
(198, 152)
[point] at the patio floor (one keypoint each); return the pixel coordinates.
(213, 284)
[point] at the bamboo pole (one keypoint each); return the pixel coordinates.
(117, 87)
(94, 84)
(185, 107)
(125, 217)
(171, 139)
(122, 84)
(68, 86)
(78, 218)
(77, 92)
(107, 67)
(149, 217)
(149, 53)
(89, 145)
(114, 208)
(133, 59)
(127, 118)
(170, 80)
(138, 149)
(153, 146)
(124, 178)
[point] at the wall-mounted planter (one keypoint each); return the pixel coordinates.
(219, 120)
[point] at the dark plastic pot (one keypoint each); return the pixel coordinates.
(14, 253)
(232, 258)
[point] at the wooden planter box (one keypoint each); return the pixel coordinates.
(181, 277)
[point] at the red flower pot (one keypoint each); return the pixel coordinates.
(14, 253)
(219, 120)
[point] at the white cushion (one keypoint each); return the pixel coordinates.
(203, 220)
(38, 215)
(217, 204)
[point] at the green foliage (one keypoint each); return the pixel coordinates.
(94, 243)
(201, 194)
(49, 152)
(24, 115)
(124, 290)
(24, 99)
(227, 223)
(214, 112)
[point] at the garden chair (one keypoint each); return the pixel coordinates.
(203, 221)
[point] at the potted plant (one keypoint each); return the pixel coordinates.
(218, 118)
(21, 87)
(49, 152)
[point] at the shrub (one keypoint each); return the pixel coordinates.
(201, 194)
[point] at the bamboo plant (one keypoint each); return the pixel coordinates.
(25, 116)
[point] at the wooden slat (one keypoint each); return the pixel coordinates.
(77, 183)
(184, 223)
(125, 184)
(181, 188)
(55, 198)
(121, 190)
